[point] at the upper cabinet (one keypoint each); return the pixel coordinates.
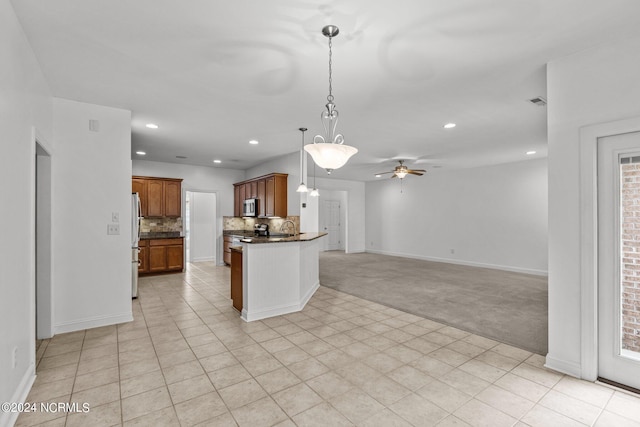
(139, 185)
(159, 197)
(270, 190)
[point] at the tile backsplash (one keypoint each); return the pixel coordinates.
(155, 225)
(237, 223)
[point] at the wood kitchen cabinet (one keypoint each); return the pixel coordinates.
(155, 198)
(139, 186)
(251, 189)
(236, 279)
(165, 255)
(172, 198)
(159, 197)
(270, 190)
(237, 202)
(262, 194)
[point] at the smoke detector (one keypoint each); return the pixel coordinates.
(539, 101)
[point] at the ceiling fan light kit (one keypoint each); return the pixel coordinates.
(402, 171)
(329, 151)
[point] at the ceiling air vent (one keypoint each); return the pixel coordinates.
(539, 101)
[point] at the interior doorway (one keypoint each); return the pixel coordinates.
(200, 226)
(43, 226)
(619, 259)
(332, 219)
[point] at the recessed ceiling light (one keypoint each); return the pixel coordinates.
(141, 153)
(152, 126)
(217, 161)
(530, 153)
(378, 176)
(449, 125)
(254, 142)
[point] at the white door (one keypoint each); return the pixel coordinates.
(619, 259)
(332, 224)
(202, 226)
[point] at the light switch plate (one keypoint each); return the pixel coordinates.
(113, 229)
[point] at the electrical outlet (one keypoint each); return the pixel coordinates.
(14, 362)
(115, 217)
(113, 229)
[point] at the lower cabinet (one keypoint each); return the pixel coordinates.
(165, 255)
(236, 279)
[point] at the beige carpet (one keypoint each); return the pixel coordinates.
(504, 306)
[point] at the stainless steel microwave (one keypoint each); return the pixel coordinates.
(250, 207)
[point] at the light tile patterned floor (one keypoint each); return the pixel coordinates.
(188, 359)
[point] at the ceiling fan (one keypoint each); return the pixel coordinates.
(401, 171)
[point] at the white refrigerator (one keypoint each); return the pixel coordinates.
(136, 216)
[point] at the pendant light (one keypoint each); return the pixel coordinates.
(329, 151)
(302, 188)
(314, 192)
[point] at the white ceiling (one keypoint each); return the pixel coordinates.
(215, 74)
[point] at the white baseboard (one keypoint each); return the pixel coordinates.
(19, 396)
(462, 262)
(569, 368)
(307, 297)
(203, 259)
(280, 310)
(93, 322)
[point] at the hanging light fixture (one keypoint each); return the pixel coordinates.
(314, 192)
(329, 151)
(302, 188)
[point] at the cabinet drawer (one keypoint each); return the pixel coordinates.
(165, 242)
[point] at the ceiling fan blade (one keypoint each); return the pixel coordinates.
(415, 173)
(416, 170)
(382, 173)
(394, 176)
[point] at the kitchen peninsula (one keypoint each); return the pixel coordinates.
(279, 275)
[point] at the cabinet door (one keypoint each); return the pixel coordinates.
(243, 195)
(140, 186)
(270, 191)
(237, 203)
(175, 257)
(262, 190)
(155, 198)
(172, 199)
(252, 193)
(157, 258)
(280, 196)
(236, 279)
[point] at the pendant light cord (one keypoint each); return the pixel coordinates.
(330, 97)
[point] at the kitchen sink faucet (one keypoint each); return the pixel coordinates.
(293, 224)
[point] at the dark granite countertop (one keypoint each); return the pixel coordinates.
(302, 237)
(160, 235)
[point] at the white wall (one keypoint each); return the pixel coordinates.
(596, 86)
(91, 175)
(492, 217)
(199, 178)
(202, 232)
(354, 225)
(25, 102)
